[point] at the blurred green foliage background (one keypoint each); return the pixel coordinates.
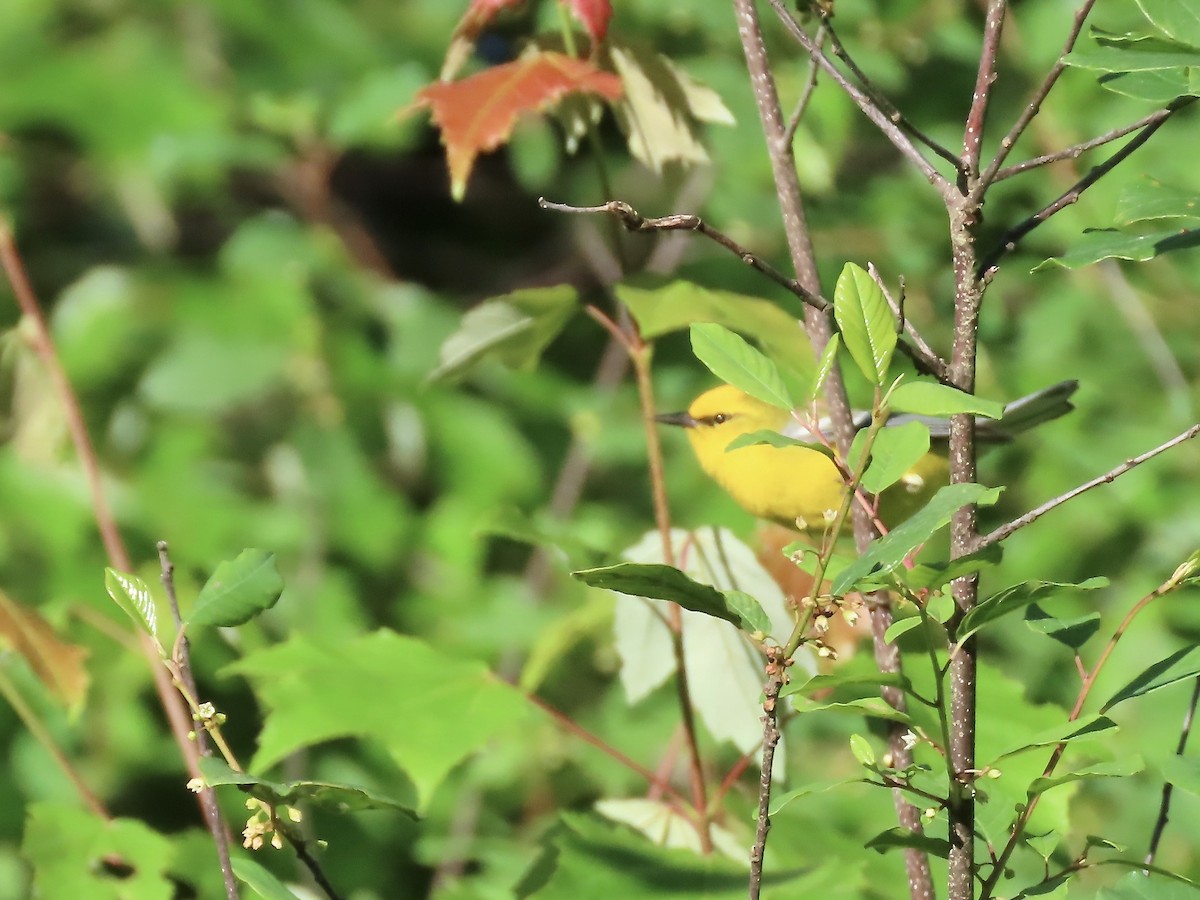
(250, 260)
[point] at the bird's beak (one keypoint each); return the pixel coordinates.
(682, 419)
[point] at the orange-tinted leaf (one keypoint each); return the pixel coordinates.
(57, 664)
(477, 114)
(462, 42)
(594, 14)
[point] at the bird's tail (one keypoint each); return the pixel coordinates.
(1020, 415)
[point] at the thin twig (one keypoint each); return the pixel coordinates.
(776, 675)
(1009, 239)
(182, 657)
(877, 95)
(1164, 806)
(1077, 150)
(985, 77)
(1032, 107)
(1033, 515)
(883, 121)
(923, 356)
(118, 557)
(635, 221)
(1089, 681)
(810, 85)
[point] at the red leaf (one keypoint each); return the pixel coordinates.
(594, 14)
(474, 20)
(477, 114)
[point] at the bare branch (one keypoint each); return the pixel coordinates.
(809, 86)
(891, 130)
(776, 674)
(876, 95)
(923, 356)
(1164, 806)
(1033, 106)
(985, 77)
(1077, 150)
(1008, 241)
(1109, 477)
(635, 221)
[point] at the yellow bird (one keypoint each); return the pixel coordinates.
(790, 483)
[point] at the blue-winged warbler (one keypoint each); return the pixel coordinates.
(794, 482)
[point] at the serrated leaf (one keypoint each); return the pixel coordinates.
(886, 553)
(1096, 245)
(929, 398)
(238, 590)
(902, 839)
(383, 687)
(1073, 632)
(513, 329)
(860, 747)
(1121, 768)
(661, 582)
(477, 114)
(1151, 199)
(134, 597)
(866, 322)
(1081, 729)
(341, 797)
(1015, 598)
(895, 450)
(775, 439)
(733, 360)
(1183, 663)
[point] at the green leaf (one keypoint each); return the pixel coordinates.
(775, 439)
(886, 553)
(384, 687)
(66, 847)
(1159, 87)
(1142, 56)
(341, 797)
(513, 525)
(1151, 199)
(817, 787)
(899, 838)
(825, 365)
(662, 582)
(901, 626)
(1096, 245)
(930, 576)
(833, 680)
(1178, 20)
(1073, 632)
(896, 450)
(860, 747)
(1183, 663)
(871, 707)
(238, 590)
(1181, 771)
(753, 618)
(1136, 886)
(1121, 768)
(865, 321)
(1015, 598)
(513, 329)
(1081, 729)
(678, 304)
(260, 880)
(928, 398)
(134, 597)
(1188, 572)
(733, 360)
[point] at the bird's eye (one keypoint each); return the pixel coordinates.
(720, 418)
